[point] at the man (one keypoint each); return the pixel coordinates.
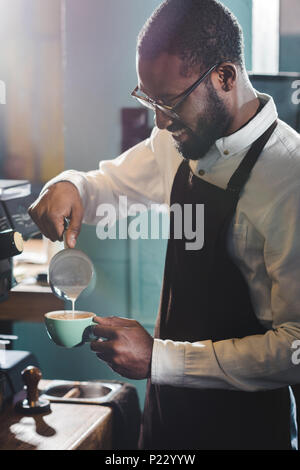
(221, 361)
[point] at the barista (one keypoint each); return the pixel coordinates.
(219, 366)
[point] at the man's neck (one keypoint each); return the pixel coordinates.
(245, 110)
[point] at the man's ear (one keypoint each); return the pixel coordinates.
(227, 76)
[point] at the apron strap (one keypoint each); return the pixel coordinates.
(242, 174)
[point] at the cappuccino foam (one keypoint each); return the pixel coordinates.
(70, 316)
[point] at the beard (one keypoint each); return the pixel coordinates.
(209, 129)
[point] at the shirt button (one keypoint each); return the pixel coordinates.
(201, 172)
(226, 152)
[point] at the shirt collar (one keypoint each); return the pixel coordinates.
(245, 137)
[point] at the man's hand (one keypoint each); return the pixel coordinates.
(60, 201)
(128, 348)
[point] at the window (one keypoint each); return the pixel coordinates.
(276, 36)
(265, 34)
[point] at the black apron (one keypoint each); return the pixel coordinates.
(205, 297)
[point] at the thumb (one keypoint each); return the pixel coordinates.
(74, 227)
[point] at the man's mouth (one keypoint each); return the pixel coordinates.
(180, 135)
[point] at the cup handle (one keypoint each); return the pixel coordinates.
(88, 335)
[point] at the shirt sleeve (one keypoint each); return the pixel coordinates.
(258, 362)
(135, 175)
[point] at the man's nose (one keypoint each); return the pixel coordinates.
(162, 120)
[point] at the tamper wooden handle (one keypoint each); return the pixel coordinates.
(31, 377)
(34, 404)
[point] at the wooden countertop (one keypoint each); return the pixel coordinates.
(66, 427)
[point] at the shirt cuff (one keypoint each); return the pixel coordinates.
(185, 364)
(167, 367)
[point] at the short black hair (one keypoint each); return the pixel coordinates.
(201, 32)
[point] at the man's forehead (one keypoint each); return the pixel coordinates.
(162, 77)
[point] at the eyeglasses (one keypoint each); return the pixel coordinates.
(170, 110)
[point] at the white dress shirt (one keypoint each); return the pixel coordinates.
(264, 241)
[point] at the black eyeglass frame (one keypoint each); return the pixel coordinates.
(170, 110)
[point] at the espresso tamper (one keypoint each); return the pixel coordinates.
(33, 404)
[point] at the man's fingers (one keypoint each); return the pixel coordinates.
(104, 331)
(74, 228)
(37, 220)
(59, 201)
(104, 350)
(53, 228)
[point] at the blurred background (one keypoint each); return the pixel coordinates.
(67, 68)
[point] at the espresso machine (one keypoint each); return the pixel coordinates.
(15, 226)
